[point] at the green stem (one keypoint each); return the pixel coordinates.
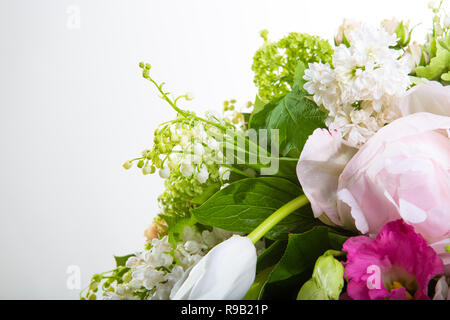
(276, 217)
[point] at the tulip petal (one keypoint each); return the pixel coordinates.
(225, 273)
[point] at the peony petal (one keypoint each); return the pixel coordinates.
(356, 212)
(403, 171)
(430, 97)
(323, 158)
(411, 213)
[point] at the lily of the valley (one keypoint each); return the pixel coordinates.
(228, 270)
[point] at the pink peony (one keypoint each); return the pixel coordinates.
(402, 172)
(396, 265)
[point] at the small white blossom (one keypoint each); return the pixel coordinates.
(202, 174)
(198, 149)
(213, 144)
(186, 168)
(146, 170)
(164, 172)
(360, 94)
(224, 173)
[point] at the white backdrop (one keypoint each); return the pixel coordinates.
(74, 107)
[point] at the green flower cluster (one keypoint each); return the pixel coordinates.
(180, 192)
(274, 63)
(437, 48)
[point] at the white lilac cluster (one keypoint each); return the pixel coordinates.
(154, 272)
(360, 91)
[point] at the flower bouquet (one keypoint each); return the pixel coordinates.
(333, 184)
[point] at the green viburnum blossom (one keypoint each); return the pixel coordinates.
(274, 63)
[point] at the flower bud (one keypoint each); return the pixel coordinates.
(164, 172)
(127, 165)
(342, 34)
(225, 273)
(415, 55)
(147, 170)
(186, 168)
(198, 149)
(224, 173)
(400, 29)
(447, 22)
(189, 96)
(150, 233)
(202, 174)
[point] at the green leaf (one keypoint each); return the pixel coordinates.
(327, 280)
(299, 73)
(271, 255)
(121, 260)
(439, 65)
(255, 290)
(176, 226)
(207, 193)
(258, 117)
(244, 204)
(266, 262)
(297, 264)
(295, 117)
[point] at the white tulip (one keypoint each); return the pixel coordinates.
(225, 273)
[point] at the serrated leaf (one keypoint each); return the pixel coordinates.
(298, 75)
(243, 205)
(294, 116)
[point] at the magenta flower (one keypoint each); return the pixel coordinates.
(396, 265)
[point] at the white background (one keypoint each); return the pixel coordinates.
(73, 108)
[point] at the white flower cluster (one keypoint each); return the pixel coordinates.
(360, 93)
(195, 154)
(154, 272)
